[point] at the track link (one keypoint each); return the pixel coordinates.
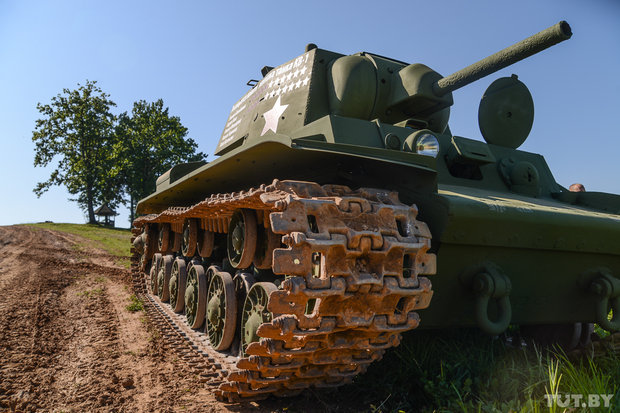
(352, 285)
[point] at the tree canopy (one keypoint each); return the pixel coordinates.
(105, 159)
(149, 142)
(77, 131)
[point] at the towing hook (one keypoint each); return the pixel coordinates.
(497, 286)
(489, 282)
(606, 288)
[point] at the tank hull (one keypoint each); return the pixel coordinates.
(341, 203)
(542, 244)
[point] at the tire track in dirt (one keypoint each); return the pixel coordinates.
(67, 341)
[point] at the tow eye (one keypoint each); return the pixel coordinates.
(606, 288)
(487, 281)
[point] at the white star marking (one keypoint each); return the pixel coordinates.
(272, 117)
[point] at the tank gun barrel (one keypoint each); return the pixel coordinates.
(504, 58)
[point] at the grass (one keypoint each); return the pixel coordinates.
(115, 241)
(466, 371)
(91, 293)
(135, 304)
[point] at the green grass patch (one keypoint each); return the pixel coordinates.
(115, 241)
(135, 304)
(467, 371)
(91, 293)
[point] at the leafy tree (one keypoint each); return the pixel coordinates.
(77, 131)
(149, 142)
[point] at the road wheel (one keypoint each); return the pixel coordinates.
(255, 312)
(221, 309)
(195, 296)
(242, 238)
(178, 278)
(190, 238)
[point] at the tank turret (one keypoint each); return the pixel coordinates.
(362, 86)
(416, 91)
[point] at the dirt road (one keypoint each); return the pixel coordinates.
(67, 341)
(69, 344)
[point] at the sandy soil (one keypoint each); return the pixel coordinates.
(68, 343)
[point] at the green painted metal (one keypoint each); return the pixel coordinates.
(177, 283)
(221, 319)
(191, 297)
(255, 312)
(195, 296)
(504, 58)
(355, 120)
(506, 112)
(174, 285)
(160, 282)
(490, 286)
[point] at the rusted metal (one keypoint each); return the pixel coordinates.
(267, 242)
(352, 266)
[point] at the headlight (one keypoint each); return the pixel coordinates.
(422, 142)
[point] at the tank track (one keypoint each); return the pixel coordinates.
(356, 255)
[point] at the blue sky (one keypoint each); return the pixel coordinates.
(197, 56)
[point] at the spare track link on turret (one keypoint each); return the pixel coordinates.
(356, 255)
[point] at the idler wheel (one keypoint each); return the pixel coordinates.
(163, 278)
(195, 296)
(190, 238)
(255, 312)
(178, 278)
(242, 238)
(221, 309)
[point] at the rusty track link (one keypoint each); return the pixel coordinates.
(351, 264)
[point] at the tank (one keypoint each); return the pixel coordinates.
(343, 212)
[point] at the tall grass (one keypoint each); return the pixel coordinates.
(466, 371)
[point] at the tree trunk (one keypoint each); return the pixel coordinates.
(91, 208)
(131, 209)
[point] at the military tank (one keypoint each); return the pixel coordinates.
(305, 251)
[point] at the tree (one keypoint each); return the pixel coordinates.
(149, 142)
(77, 131)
